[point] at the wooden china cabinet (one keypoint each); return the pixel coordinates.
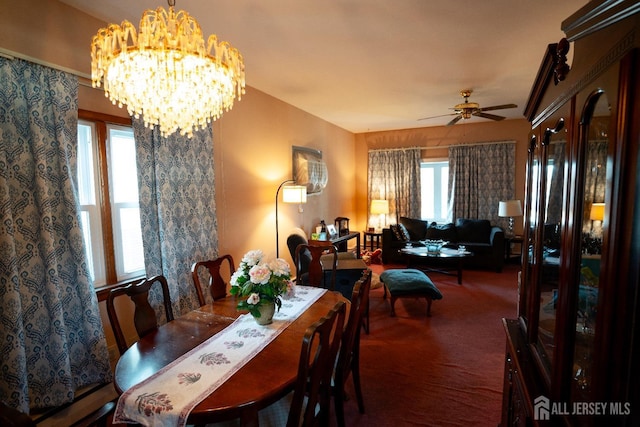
(572, 354)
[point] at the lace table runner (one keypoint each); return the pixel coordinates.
(167, 397)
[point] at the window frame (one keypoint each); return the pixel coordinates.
(101, 121)
(441, 164)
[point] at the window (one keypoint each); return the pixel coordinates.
(434, 180)
(108, 193)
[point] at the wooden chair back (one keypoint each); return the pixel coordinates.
(314, 276)
(144, 316)
(349, 356)
(317, 358)
(217, 285)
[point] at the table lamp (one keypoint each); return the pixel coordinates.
(290, 194)
(380, 208)
(510, 209)
(596, 214)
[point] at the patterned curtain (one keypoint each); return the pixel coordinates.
(480, 175)
(394, 175)
(556, 186)
(51, 337)
(177, 209)
(595, 178)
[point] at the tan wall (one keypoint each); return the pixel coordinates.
(252, 143)
(431, 138)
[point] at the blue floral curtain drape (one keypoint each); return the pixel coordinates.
(51, 337)
(394, 175)
(480, 175)
(177, 208)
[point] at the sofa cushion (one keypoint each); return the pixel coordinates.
(446, 232)
(400, 232)
(416, 227)
(473, 230)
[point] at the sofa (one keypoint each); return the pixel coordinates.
(485, 241)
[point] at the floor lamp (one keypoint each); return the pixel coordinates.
(290, 194)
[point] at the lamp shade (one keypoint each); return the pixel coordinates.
(294, 194)
(510, 208)
(597, 212)
(379, 207)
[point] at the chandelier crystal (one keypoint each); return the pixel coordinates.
(165, 73)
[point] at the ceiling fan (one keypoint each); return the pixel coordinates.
(468, 109)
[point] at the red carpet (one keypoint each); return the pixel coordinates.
(443, 370)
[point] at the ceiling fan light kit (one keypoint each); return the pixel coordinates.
(467, 109)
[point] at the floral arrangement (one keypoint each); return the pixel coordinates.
(260, 281)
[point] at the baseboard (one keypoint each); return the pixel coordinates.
(89, 400)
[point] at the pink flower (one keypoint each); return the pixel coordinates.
(253, 299)
(291, 289)
(260, 274)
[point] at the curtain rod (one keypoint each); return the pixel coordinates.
(435, 147)
(83, 78)
(397, 149)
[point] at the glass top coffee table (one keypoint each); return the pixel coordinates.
(444, 261)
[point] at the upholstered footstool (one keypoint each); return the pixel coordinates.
(409, 282)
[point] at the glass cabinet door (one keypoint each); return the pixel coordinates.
(552, 202)
(594, 147)
(530, 208)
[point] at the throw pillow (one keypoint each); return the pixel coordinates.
(416, 228)
(400, 234)
(446, 232)
(406, 236)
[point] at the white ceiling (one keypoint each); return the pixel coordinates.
(371, 65)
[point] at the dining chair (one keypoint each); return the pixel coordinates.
(217, 286)
(144, 317)
(348, 362)
(315, 275)
(310, 402)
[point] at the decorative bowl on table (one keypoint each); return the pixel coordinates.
(434, 246)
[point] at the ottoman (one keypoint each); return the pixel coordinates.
(409, 282)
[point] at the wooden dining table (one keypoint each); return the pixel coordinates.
(266, 378)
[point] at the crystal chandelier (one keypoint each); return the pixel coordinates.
(165, 73)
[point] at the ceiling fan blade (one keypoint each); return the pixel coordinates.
(454, 121)
(488, 116)
(435, 117)
(499, 107)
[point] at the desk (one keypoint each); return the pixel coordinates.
(244, 393)
(340, 242)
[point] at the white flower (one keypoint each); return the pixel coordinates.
(253, 299)
(280, 267)
(253, 257)
(235, 276)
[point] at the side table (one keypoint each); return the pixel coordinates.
(509, 242)
(373, 238)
